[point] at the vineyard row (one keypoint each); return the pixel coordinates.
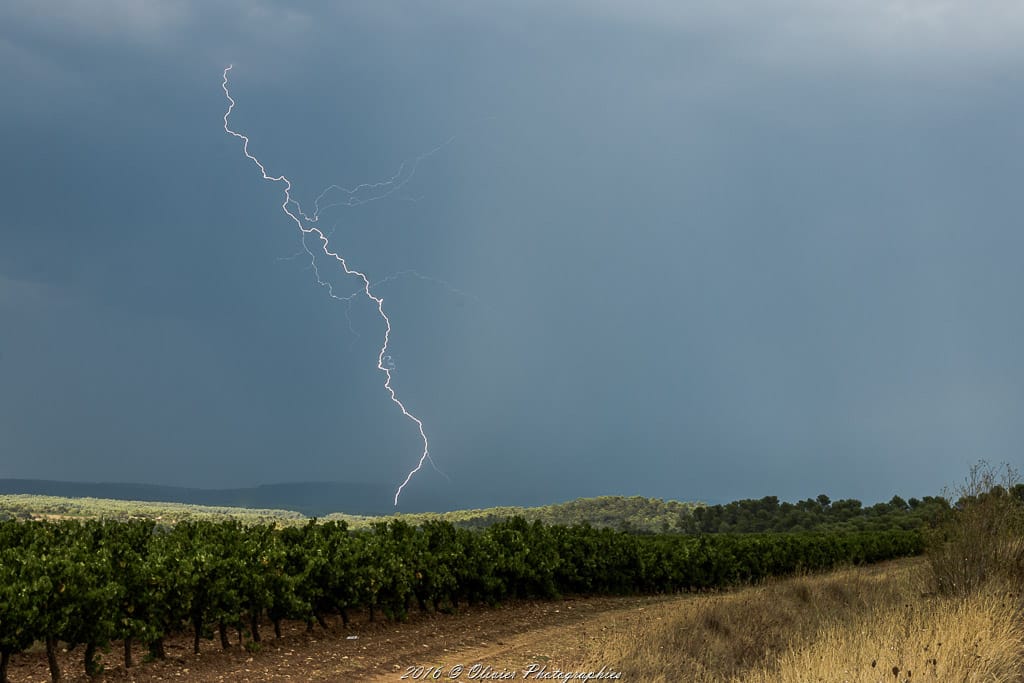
(95, 582)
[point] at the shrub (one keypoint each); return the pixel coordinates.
(983, 535)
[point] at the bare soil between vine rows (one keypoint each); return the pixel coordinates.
(507, 638)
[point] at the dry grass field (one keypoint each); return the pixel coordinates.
(862, 624)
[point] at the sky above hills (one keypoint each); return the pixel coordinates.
(658, 248)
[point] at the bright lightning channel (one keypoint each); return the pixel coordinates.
(307, 228)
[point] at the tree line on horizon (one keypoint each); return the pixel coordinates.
(768, 514)
(639, 515)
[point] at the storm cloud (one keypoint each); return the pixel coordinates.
(756, 248)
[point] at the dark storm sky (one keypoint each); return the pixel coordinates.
(769, 248)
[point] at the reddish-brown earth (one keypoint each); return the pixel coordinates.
(556, 634)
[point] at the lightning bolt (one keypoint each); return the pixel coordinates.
(307, 227)
(386, 188)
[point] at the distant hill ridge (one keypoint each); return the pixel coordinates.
(294, 503)
(308, 498)
(627, 513)
(291, 503)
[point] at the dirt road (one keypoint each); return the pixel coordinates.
(501, 642)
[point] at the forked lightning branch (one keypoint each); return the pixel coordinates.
(308, 229)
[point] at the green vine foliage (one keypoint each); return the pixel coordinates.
(95, 582)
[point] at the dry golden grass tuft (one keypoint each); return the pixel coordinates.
(828, 628)
(963, 638)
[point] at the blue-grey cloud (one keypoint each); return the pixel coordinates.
(713, 250)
